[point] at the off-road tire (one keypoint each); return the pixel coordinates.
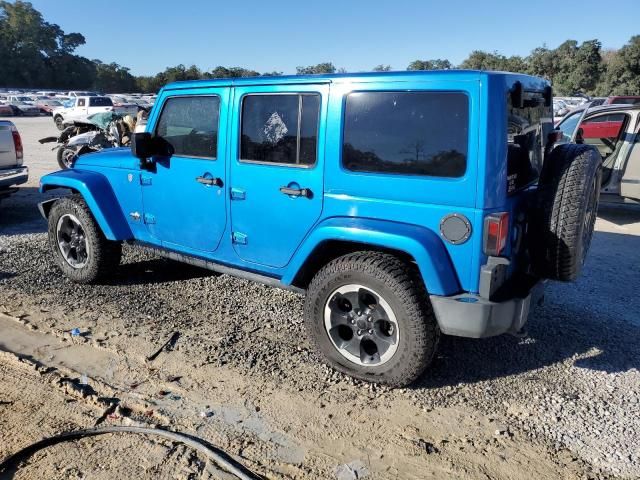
(58, 120)
(400, 284)
(104, 254)
(564, 217)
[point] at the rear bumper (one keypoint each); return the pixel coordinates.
(468, 315)
(10, 177)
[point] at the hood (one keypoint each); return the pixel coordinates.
(109, 158)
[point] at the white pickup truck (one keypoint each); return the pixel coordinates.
(12, 171)
(80, 108)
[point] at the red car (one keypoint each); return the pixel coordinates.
(6, 111)
(47, 106)
(622, 100)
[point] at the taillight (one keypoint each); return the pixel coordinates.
(496, 231)
(17, 143)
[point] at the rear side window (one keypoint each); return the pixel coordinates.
(190, 125)
(100, 102)
(280, 129)
(410, 133)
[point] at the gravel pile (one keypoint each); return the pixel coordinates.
(572, 384)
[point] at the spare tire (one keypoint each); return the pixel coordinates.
(563, 222)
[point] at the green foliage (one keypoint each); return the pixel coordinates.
(437, 64)
(112, 78)
(232, 72)
(382, 68)
(37, 53)
(622, 75)
(319, 68)
(479, 60)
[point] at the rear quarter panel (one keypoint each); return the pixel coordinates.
(408, 199)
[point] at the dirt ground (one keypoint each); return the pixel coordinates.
(561, 403)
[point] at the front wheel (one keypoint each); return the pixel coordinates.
(78, 246)
(59, 122)
(369, 315)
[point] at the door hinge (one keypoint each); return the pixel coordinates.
(149, 219)
(144, 180)
(239, 238)
(238, 194)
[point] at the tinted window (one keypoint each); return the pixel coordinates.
(280, 129)
(100, 102)
(190, 124)
(415, 133)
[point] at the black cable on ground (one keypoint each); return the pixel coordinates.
(208, 450)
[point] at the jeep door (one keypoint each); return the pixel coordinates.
(276, 169)
(183, 196)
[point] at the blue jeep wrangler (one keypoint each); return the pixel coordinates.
(404, 205)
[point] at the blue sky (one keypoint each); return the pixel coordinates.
(268, 35)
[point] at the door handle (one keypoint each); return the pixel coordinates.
(209, 181)
(297, 192)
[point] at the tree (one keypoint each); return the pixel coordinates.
(231, 72)
(622, 75)
(479, 60)
(382, 68)
(111, 78)
(31, 49)
(437, 64)
(544, 63)
(580, 67)
(319, 68)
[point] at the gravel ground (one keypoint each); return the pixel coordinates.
(566, 396)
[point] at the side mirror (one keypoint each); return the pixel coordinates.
(144, 146)
(580, 135)
(141, 145)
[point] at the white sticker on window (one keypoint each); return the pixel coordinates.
(275, 129)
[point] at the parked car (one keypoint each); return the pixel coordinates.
(595, 101)
(24, 109)
(614, 131)
(403, 204)
(6, 110)
(48, 106)
(560, 108)
(19, 99)
(622, 100)
(76, 93)
(124, 106)
(80, 108)
(12, 171)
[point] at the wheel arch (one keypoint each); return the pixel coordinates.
(97, 193)
(341, 235)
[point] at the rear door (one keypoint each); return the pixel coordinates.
(276, 169)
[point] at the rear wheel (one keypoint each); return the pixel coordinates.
(568, 196)
(78, 246)
(369, 315)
